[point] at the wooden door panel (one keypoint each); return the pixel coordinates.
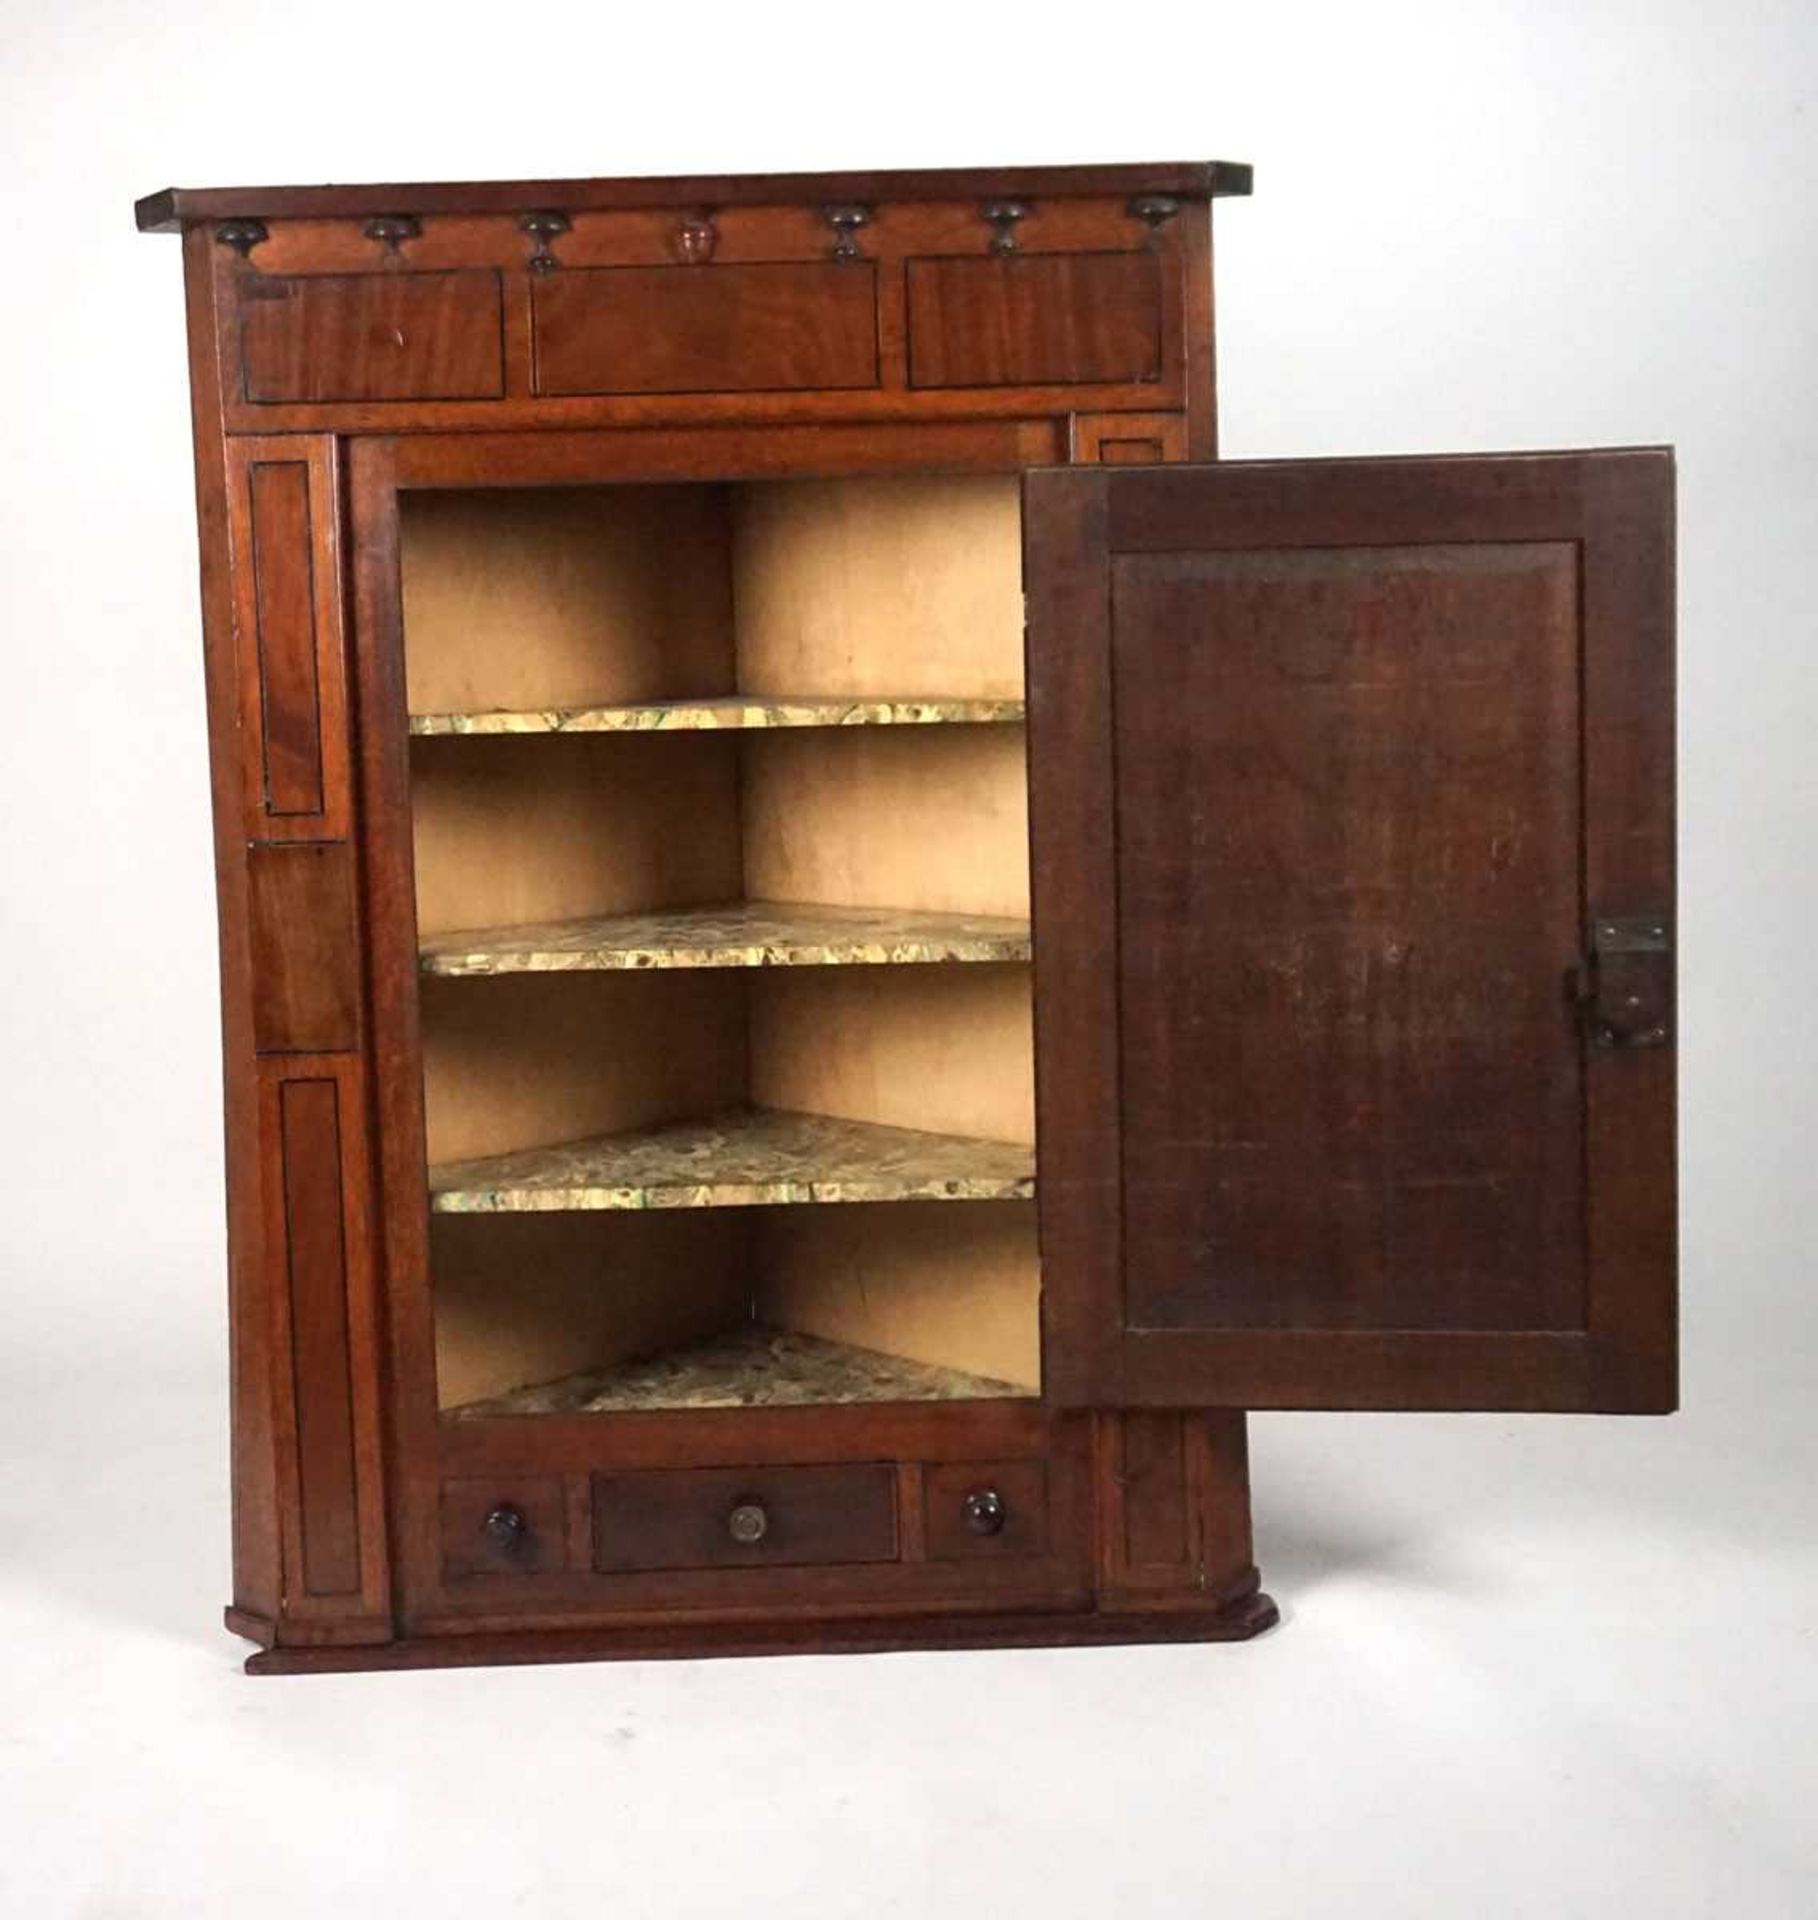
(1348, 901)
(1320, 1119)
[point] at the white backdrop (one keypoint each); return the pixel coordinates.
(1529, 1667)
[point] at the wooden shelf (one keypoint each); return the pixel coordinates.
(733, 713)
(754, 1158)
(752, 1367)
(754, 933)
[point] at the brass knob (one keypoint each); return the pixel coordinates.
(985, 1511)
(505, 1526)
(748, 1523)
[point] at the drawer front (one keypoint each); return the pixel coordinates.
(734, 1517)
(985, 1510)
(372, 336)
(504, 1524)
(766, 327)
(1033, 319)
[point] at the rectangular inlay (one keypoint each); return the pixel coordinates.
(309, 1161)
(744, 1159)
(757, 933)
(773, 326)
(284, 602)
(737, 711)
(372, 336)
(1035, 319)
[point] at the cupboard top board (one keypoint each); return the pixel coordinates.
(170, 210)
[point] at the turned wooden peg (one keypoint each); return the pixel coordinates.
(543, 228)
(1003, 215)
(697, 237)
(1154, 210)
(391, 230)
(241, 235)
(846, 222)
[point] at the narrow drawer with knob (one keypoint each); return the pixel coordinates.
(675, 1518)
(985, 1511)
(505, 1524)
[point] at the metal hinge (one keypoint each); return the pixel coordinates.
(1626, 987)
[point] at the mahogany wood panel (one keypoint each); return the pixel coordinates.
(811, 1516)
(1031, 319)
(372, 336)
(1350, 1079)
(780, 327)
(286, 631)
(470, 1549)
(1344, 1084)
(1152, 1481)
(305, 947)
(1128, 439)
(309, 1158)
(318, 1254)
(165, 211)
(1174, 1508)
(291, 660)
(776, 452)
(1022, 1486)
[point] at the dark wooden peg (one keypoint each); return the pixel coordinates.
(505, 1526)
(845, 222)
(241, 235)
(1154, 210)
(391, 230)
(1003, 216)
(697, 238)
(543, 228)
(984, 1511)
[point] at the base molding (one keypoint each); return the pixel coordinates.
(1242, 1618)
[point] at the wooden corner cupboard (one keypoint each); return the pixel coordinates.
(838, 946)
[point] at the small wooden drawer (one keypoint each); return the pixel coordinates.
(734, 1517)
(1035, 319)
(781, 326)
(985, 1510)
(372, 336)
(506, 1524)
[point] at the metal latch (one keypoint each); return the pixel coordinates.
(1628, 986)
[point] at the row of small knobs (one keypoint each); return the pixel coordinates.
(697, 236)
(982, 1511)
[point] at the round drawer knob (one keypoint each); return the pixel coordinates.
(985, 1511)
(748, 1523)
(505, 1525)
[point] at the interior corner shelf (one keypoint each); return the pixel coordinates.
(752, 1158)
(753, 933)
(730, 713)
(751, 1367)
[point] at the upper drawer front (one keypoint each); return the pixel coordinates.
(372, 336)
(732, 1517)
(1034, 319)
(765, 327)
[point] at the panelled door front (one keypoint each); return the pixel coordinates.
(1351, 793)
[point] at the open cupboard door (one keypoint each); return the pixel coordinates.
(1351, 788)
